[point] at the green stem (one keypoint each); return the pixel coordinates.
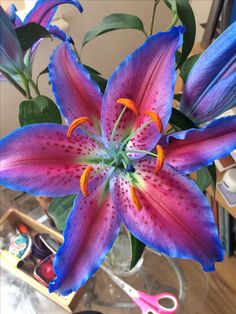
(125, 157)
(26, 84)
(174, 21)
(134, 133)
(13, 82)
(116, 124)
(35, 87)
(141, 151)
(153, 15)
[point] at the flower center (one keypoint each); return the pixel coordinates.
(118, 156)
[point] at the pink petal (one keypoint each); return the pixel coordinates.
(147, 77)
(90, 232)
(41, 160)
(190, 150)
(175, 218)
(75, 93)
(44, 10)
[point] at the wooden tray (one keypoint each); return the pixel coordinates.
(13, 216)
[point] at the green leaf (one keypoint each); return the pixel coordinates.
(30, 33)
(96, 76)
(137, 250)
(177, 97)
(205, 177)
(186, 17)
(59, 209)
(102, 83)
(114, 22)
(38, 110)
(202, 179)
(181, 122)
(187, 66)
(45, 71)
(91, 70)
(211, 170)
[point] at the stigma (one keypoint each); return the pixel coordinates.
(84, 181)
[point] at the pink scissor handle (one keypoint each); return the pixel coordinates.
(150, 303)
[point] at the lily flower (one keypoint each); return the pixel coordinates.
(105, 156)
(42, 13)
(210, 88)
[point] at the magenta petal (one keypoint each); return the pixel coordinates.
(41, 160)
(90, 232)
(147, 77)
(175, 218)
(57, 32)
(190, 150)
(211, 85)
(76, 94)
(44, 10)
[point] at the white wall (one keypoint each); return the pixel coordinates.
(103, 53)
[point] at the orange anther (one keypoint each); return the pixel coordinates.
(84, 180)
(75, 124)
(160, 159)
(134, 197)
(129, 104)
(156, 119)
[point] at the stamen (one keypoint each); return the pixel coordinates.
(129, 104)
(84, 181)
(134, 197)
(75, 124)
(160, 159)
(156, 119)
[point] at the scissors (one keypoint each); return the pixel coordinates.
(149, 304)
